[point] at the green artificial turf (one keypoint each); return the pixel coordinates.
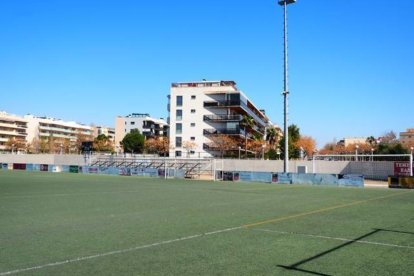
(70, 224)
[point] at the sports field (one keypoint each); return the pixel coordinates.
(69, 224)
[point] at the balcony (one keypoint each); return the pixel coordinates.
(222, 118)
(221, 103)
(226, 131)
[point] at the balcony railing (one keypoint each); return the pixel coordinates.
(221, 103)
(235, 118)
(226, 131)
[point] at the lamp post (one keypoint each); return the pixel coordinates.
(12, 148)
(301, 153)
(278, 153)
(239, 151)
(356, 152)
(285, 93)
(411, 161)
(263, 148)
(372, 154)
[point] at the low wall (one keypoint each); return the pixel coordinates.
(378, 170)
(351, 180)
(53, 159)
(148, 172)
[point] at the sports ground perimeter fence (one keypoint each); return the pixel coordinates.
(376, 167)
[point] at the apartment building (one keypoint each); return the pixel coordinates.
(352, 141)
(70, 133)
(407, 137)
(147, 126)
(13, 132)
(107, 131)
(200, 110)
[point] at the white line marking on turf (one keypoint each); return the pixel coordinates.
(334, 238)
(79, 259)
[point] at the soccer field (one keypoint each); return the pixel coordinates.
(70, 224)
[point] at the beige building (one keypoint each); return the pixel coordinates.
(107, 131)
(407, 137)
(13, 132)
(143, 122)
(352, 141)
(65, 134)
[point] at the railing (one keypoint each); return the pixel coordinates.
(227, 131)
(236, 118)
(221, 103)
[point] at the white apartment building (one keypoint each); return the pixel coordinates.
(13, 132)
(201, 109)
(147, 126)
(44, 127)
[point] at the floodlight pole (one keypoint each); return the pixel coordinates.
(411, 161)
(285, 93)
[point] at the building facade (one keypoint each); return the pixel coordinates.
(352, 141)
(143, 122)
(200, 110)
(64, 134)
(13, 133)
(107, 131)
(407, 137)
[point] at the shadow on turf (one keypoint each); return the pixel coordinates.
(295, 267)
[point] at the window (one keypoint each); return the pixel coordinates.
(193, 97)
(193, 111)
(192, 138)
(132, 123)
(179, 114)
(179, 100)
(178, 128)
(178, 153)
(192, 152)
(178, 142)
(192, 124)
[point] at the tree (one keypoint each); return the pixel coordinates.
(272, 136)
(256, 146)
(188, 146)
(80, 138)
(14, 144)
(372, 141)
(133, 142)
(389, 137)
(308, 144)
(102, 143)
(246, 123)
(222, 143)
(294, 136)
(158, 145)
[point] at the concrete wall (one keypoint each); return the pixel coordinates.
(379, 170)
(51, 159)
(371, 170)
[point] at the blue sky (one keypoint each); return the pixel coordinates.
(351, 62)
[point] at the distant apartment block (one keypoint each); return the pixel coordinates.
(148, 126)
(352, 141)
(407, 137)
(200, 110)
(64, 134)
(107, 131)
(13, 132)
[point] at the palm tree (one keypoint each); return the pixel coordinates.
(272, 136)
(246, 123)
